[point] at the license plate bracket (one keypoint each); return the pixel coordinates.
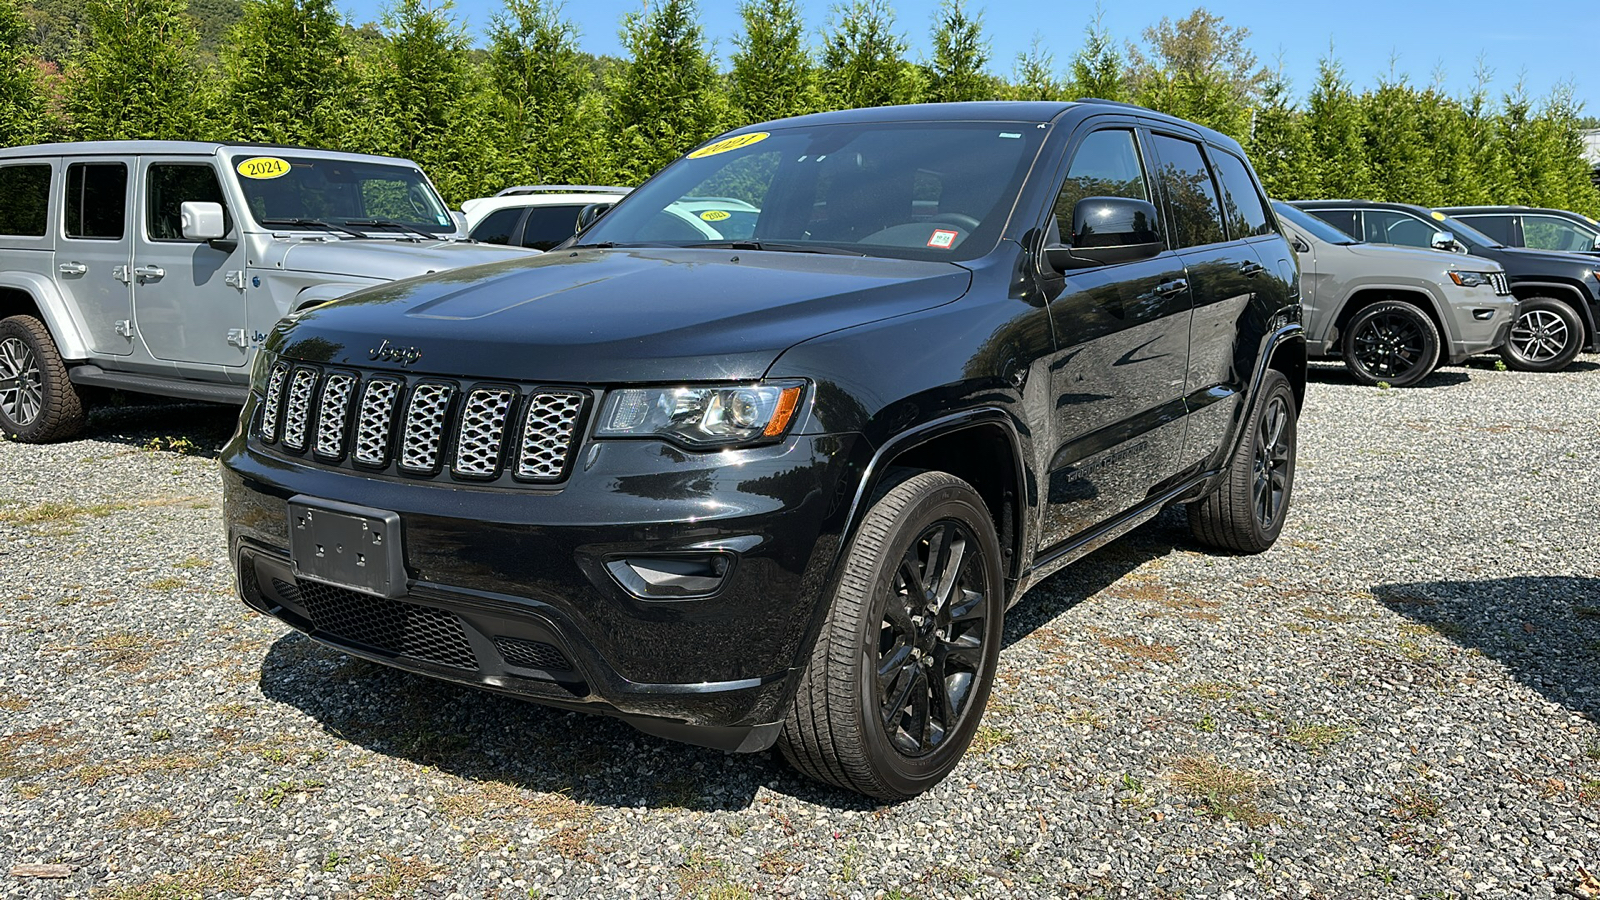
(347, 546)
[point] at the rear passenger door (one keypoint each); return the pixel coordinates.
(1122, 336)
(96, 249)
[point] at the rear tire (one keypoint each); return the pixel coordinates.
(1246, 510)
(38, 402)
(1391, 342)
(899, 676)
(1546, 336)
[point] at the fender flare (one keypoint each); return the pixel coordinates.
(1435, 304)
(66, 329)
(322, 293)
(1567, 291)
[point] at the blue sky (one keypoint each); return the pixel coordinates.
(1543, 42)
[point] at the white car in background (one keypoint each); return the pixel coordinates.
(542, 216)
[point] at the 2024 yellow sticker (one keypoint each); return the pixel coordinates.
(714, 215)
(726, 144)
(263, 167)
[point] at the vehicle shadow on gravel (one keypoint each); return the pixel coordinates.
(1339, 375)
(153, 423)
(1544, 629)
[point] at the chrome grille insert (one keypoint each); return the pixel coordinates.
(298, 414)
(1502, 286)
(334, 414)
(547, 435)
(419, 449)
(483, 428)
(274, 402)
(375, 419)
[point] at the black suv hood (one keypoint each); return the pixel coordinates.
(635, 315)
(1521, 261)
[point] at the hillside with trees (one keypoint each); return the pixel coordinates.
(532, 105)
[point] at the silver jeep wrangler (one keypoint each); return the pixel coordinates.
(159, 266)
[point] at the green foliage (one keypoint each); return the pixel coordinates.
(1199, 69)
(539, 78)
(288, 72)
(137, 76)
(24, 118)
(1336, 128)
(773, 74)
(960, 53)
(1099, 70)
(863, 60)
(667, 97)
(1033, 76)
(1400, 164)
(1277, 146)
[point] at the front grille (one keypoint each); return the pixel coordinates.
(1502, 286)
(390, 626)
(422, 427)
(531, 654)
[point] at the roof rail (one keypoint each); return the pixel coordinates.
(1115, 103)
(563, 188)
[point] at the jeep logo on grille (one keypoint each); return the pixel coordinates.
(387, 352)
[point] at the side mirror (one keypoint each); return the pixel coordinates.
(1596, 247)
(590, 213)
(202, 220)
(1107, 231)
(1300, 246)
(1443, 240)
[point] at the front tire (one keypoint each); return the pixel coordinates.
(1245, 512)
(1393, 343)
(901, 672)
(38, 402)
(1545, 338)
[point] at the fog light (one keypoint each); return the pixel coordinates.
(1483, 315)
(678, 577)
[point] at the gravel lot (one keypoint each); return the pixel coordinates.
(1401, 699)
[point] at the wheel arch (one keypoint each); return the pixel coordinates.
(27, 294)
(1566, 293)
(1368, 295)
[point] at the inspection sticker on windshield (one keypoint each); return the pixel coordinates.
(263, 167)
(714, 215)
(942, 239)
(1439, 216)
(726, 144)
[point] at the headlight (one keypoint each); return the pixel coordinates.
(702, 415)
(1471, 279)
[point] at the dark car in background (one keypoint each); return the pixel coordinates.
(782, 489)
(1535, 228)
(1559, 292)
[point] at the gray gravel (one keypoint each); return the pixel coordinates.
(1399, 700)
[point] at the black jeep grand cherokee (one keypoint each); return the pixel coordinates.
(780, 485)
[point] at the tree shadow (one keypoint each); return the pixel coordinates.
(1337, 374)
(1545, 629)
(184, 426)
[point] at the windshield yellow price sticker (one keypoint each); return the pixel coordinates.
(263, 167)
(714, 215)
(726, 144)
(1439, 216)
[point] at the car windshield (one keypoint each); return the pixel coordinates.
(340, 195)
(917, 190)
(1312, 225)
(1466, 234)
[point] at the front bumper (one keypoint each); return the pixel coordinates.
(509, 590)
(1479, 325)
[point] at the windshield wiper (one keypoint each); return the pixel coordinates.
(773, 246)
(308, 223)
(390, 223)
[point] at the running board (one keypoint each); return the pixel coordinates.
(94, 376)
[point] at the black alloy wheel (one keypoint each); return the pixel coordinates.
(1246, 510)
(1392, 343)
(1274, 462)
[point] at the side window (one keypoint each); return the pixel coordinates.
(1342, 219)
(1497, 227)
(1386, 227)
(1246, 214)
(27, 193)
(168, 186)
(496, 226)
(1551, 233)
(550, 225)
(1191, 194)
(97, 201)
(1106, 164)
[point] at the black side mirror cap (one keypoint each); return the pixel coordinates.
(590, 213)
(1107, 231)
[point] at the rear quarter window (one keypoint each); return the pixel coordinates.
(1242, 206)
(26, 193)
(496, 226)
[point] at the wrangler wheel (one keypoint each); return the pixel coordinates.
(38, 402)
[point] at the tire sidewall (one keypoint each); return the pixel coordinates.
(1276, 385)
(30, 433)
(1568, 353)
(904, 776)
(1430, 333)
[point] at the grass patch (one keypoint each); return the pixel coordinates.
(10, 702)
(241, 876)
(498, 800)
(400, 876)
(989, 737)
(1211, 690)
(1137, 649)
(1089, 717)
(1319, 614)
(1317, 738)
(706, 878)
(1586, 612)
(55, 511)
(37, 751)
(1414, 803)
(149, 817)
(1223, 791)
(168, 583)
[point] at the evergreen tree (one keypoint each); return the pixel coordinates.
(1336, 128)
(667, 97)
(24, 118)
(137, 77)
(1034, 75)
(773, 74)
(288, 74)
(1400, 164)
(1199, 68)
(1571, 172)
(1490, 171)
(863, 60)
(1099, 70)
(960, 52)
(539, 77)
(1448, 141)
(1278, 145)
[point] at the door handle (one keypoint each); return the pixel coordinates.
(1176, 285)
(72, 268)
(1251, 268)
(149, 272)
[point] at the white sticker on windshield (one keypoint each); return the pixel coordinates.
(1010, 134)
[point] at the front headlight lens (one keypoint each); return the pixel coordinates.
(702, 415)
(1471, 279)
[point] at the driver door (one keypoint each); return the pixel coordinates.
(188, 297)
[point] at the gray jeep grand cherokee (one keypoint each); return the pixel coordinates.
(159, 266)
